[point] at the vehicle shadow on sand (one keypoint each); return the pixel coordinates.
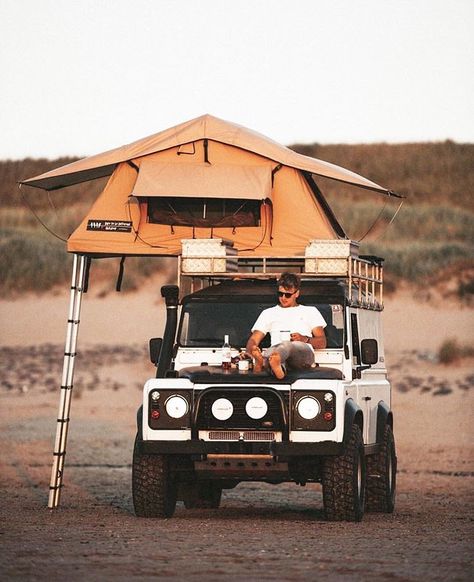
(112, 487)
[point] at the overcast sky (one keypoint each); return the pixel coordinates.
(83, 76)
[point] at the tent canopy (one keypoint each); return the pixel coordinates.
(205, 127)
(205, 178)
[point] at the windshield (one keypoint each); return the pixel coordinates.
(205, 324)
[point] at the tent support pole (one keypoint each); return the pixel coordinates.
(77, 288)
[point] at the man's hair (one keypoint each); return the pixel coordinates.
(288, 281)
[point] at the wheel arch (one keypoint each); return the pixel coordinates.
(352, 415)
(384, 417)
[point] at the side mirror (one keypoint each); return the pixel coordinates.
(155, 349)
(369, 351)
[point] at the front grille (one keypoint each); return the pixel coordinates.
(246, 435)
(224, 435)
(275, 418)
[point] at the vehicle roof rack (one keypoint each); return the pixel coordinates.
(206, 262)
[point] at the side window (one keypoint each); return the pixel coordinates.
(185, 329)
(355, 340)
(334, 317)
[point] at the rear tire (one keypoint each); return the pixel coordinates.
(344, 481)
(203, 495)
(154, 484)
(382, 476)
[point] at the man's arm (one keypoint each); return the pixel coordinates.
(254, 341)
(317, 340)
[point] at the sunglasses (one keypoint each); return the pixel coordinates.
(287, 295)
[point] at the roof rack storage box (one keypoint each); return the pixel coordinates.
(330, 256)
(200, 255)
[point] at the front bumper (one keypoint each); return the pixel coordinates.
(275, 449)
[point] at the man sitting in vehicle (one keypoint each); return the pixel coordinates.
(295, 331)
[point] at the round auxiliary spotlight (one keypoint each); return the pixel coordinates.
(222, 409)
(256, 408)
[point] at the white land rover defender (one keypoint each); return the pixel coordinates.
(203, 428)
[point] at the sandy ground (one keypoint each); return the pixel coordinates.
(261, 532)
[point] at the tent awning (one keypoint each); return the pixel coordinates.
(205, 127)
(202, 180)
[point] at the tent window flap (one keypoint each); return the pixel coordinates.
(224, 181)
(203, 212)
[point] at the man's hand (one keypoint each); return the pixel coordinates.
(297, 337)
(317, 339)
(254, 341)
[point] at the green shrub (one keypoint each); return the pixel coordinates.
(451, 351)
(466, 289)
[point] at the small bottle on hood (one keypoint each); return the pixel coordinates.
(226, 354)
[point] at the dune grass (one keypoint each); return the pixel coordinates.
(30, 260)
(433, 232)
(423, 239)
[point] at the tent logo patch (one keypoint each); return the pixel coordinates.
(110, 225)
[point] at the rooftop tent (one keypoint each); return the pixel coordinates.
(204, 178)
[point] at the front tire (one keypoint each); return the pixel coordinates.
(382, 476)
(344, 481)
(154, 486)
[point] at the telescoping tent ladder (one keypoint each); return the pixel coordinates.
(77, 289)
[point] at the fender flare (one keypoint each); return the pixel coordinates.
(140, 422)
(352, 415)
(384, 417)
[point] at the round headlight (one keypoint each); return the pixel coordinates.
(155, 395)
(176, 406)
(222, 409)
(256, 408)
(308, 407)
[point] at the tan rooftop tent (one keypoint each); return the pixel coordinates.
(205, 178)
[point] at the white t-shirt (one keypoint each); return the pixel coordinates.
(281, 321)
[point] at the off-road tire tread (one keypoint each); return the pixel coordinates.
(339, 476)
(379, 497)
(153, 485)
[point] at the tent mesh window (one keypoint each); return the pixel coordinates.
(203, 212)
